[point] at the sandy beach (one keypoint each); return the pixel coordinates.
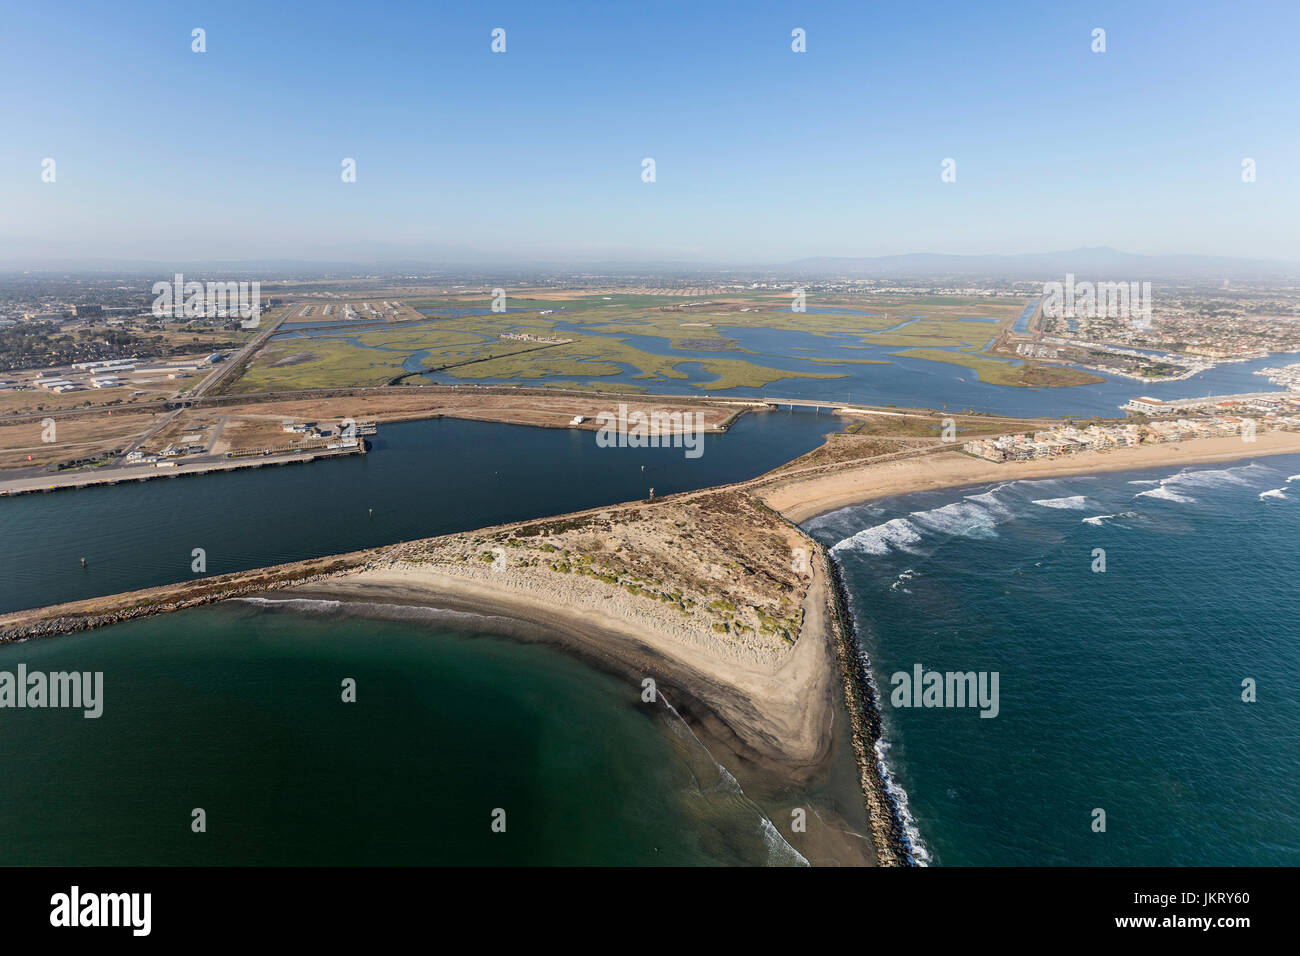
(779, 727)
(802, 498)
(723, 602)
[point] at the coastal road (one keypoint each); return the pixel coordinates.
(237, 360)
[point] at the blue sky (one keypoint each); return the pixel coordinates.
(763, 155)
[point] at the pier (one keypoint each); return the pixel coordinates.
(172, 469)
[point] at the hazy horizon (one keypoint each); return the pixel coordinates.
(763, 156)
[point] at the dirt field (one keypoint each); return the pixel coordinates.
(74, 438)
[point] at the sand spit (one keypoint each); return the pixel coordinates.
(718, 599)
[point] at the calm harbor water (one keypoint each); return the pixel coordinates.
(237, 709)
(424, 478)
(1119, 690)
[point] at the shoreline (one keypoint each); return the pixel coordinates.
(773, 729)
(769, 713)
(768, 717)
(863, 706)
(801, 499)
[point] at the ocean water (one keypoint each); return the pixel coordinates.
(237, 709)
(1119, 690)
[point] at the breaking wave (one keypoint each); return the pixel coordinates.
(1175, 487)
(974, 516)
(897, 796)
(1166, 494)
(896, 534)
(1098, 520)
(1074, 501)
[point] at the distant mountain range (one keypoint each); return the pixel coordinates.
(1097, 262)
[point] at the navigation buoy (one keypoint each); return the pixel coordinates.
(372, 513)
(83, 562)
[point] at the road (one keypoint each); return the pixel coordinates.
(236, 361)
(211, 381)
(193, 465)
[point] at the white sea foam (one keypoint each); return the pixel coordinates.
(1293, 478)
(1174, 487)
(1219, 477)
(903, 578)
(1074, 501)
(898, 533)
(1275, 493)
(894, 792)
(975, 516)
(1098, 520)
(1165, 494)
(897, 796)
(779, 851)
(293, 604)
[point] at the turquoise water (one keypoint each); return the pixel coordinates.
(237, 709)
(1119, 690)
